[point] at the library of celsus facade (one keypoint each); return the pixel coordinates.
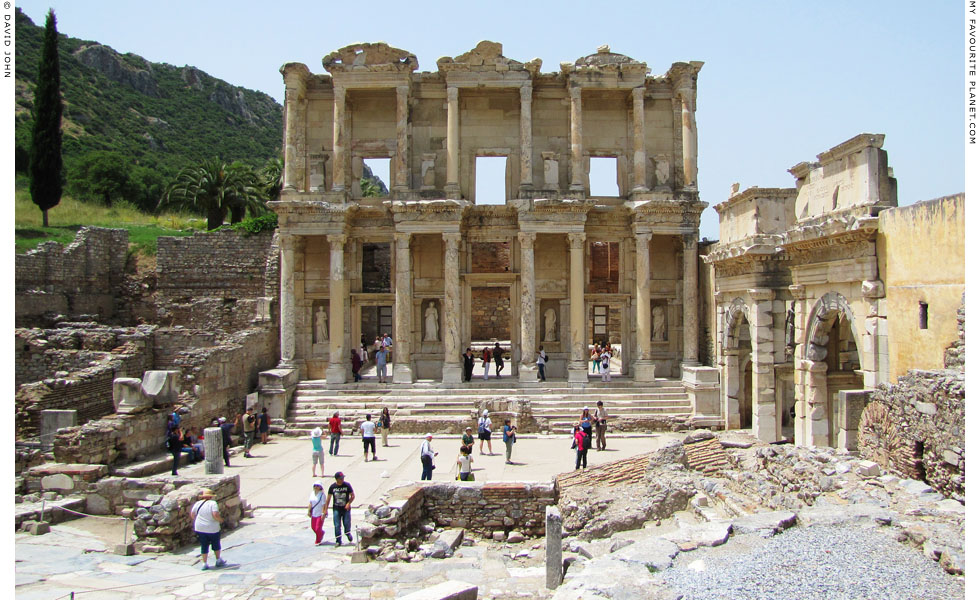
(553, 265)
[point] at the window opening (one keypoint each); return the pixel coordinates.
(491, 178)
(602, 177)
(376, 177)
(923, 315)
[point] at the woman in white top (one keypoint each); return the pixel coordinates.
(318, 503)
(465, 464)
(207, 526)
(604, 366)
(483, 430)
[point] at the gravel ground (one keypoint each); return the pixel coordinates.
(818, 563)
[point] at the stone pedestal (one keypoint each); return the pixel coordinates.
(703, 390)
(214, 458)
(553, 570)
(402, 373)
(276, 387)
(851, 405)
(528, 373)
(127, 396)
(578, 374)
(452, 373)
(644, 370)
(161, 387)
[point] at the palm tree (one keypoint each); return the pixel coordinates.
(215, 188)
(272, 178)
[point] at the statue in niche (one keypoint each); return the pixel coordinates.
(549, 325)
(790, 326)
(431, 323)
(662, 170)
(320, 319)
(659, 323)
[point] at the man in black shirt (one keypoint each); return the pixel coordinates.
(226, 429)
(343, 498)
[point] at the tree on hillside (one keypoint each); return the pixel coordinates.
(102, 175)
(45, 157)
(272, 179)
(213, 188)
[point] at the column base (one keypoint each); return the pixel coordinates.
(645, 371)
(336, 373)
(578, 374)
(402, 373)
(452, 373)
(529, 373)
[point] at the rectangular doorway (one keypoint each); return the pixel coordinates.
(375, 321)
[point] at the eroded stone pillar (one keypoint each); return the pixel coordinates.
(402, 369)
(554, 570)
(293, 178)
(690, 299)
(337, 369)
(578, 369)
(730, 410)
(401, 139)
(526, 179)
(452, 371)
(799, 307)
(452, 141)
(214, 458)
(817, 427)
(689, 137)
(643, 367)
(339, 138)
(287, 301)
(766, 423)
(576, 137)
(639, 142)
(528, 371)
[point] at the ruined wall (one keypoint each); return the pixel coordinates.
(225, 264)
(82, 278)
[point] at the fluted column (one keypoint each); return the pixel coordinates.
(452, 141)
(337, 369)
(639, 142)
(292, 171)
(402, 369)
(339, 138)
(689, 138)
(528, 370)
(576, 137)
(690, 299)
(643, 367)
(401, 139)
(451, 309)
(578, 369)
(526, 176)
(287, 301)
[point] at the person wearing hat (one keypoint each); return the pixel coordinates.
(317, 437)
(226, 428)
(428, 456)
(343, 497)
(468, 439)
(318, 504)
(483, 429)
(207, 526)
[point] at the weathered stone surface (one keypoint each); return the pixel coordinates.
(655, 553)
(702, 534)
(58, 481)
(764, 523)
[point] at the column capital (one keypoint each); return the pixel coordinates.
(643, 239)
(690, 241)
(337, 238)
(452, 237)
(576, 240)
(402, 239)
(575, 92)
(638, 94)
(526, 238)
(452, 93)
(798, 292)
(526, 92)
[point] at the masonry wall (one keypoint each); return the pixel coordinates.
(225, 264)
(491, 313)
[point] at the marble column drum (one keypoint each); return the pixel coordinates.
(643, 368)
(528, 371)
(690, 299)
(639, 142)
(452, 371)
(402, 367)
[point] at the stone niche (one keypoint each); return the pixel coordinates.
(429, 358)
(320, 327)
(549, 328)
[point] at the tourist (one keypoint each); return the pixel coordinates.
(486, 357)
(355, 364)
(385, 423)
(468, 439)
(175, 443)
(264, 422)
(427, 455)
(248, 428)
(173, 421)
(542, 358)
(381, 364)
(316, 436)
(498, 357)
(343, 497)
(484, 427)
(189, 445)
(376, 347)
(226, 442)
(510, 436)
(600, 417)
(335, 433)
(464, 464)
(367, 437)
(585, 423)
(581, 449)
(318, 503)
(387, 344)
(604, 369)
(207, 526)
(468, 365)
(595, 357)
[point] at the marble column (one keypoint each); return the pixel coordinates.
(338, 369)
(689, 138)
(526, 178)
(452, 142)
(529, 350)
(578, 368)
(402, 368)
(452, 371)
(690, 299)
(576, 138)
(339, 138)
(639, 142)
(295, 139)
(287, 301)
(643, 367)
(400, 163)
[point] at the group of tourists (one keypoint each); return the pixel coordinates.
(601, 360)
(487, 355)
(190, 440)
(380, 354)
(368, 430)
(583, 431)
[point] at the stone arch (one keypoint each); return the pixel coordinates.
(822, 319)
(736, 316)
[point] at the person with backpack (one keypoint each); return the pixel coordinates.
(464, 464)
(604, 365)
(510, 436)
(486, 356)
(207, 525)
(483, 429)
(542, 358)
(248, 428)
(318, 505)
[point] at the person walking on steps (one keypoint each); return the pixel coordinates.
(498, 357)
(384, 422)
(428, 456)
(599, 418)
(486, 357)
(343, 497)
(381, 364)
(207, 526)
(542, 358)
(483, 430)
(317, 438)
(510, 436)
(367, 437)
(335, 433)
(318, 504)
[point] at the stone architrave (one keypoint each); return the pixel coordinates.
(337, 370)
(402, 368)
(214, 459)
(528, 370)
(161, 387)
(127, 396)
(553, 559)
(452, 370)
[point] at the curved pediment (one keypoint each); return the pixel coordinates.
(377, 56)
(486, 56)
(604, 60)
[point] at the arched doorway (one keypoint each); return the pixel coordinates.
(737, 352)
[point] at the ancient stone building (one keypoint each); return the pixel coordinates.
(554, 265)
(825, 291)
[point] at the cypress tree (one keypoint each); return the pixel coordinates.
(45, 158)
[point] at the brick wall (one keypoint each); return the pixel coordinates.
(604, 268)
(490, 313)
(225, 264)
(490, 257)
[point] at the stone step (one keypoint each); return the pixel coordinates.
(490, 387)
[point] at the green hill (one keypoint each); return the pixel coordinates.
(164, 117)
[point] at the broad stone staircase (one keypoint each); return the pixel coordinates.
(427, 407)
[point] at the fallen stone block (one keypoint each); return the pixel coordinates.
(447, 590)
(124, 549)
(701, 534)
(654, 553)
(867, 468)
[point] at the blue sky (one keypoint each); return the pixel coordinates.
(782, 81)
